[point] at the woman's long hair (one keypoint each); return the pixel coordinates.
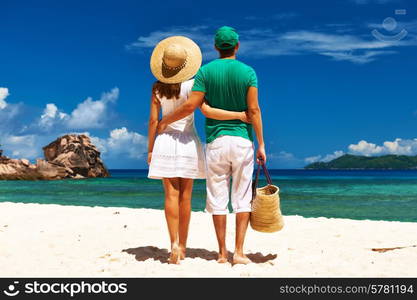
(167, 90)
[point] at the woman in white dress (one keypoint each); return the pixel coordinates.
(176, 156)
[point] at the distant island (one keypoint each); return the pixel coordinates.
(349, 161)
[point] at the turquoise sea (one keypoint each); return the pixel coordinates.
(375, 195)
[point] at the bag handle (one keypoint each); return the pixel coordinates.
(258, 171)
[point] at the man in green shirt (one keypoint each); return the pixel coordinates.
(231, 85)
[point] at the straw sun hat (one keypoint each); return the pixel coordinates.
(175, 59)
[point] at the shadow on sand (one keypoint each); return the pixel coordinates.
(144, 253)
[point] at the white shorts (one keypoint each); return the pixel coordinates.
(229, 156)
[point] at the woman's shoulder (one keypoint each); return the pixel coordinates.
(186, 86)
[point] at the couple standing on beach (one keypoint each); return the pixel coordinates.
(226, 92)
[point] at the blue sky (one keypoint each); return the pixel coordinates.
(328, 85)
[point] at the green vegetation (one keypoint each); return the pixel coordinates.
(348, 161)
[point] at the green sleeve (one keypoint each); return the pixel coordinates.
(253, 79)
(199, 84)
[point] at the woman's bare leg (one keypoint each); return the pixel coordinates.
(172, 195)
(186, 190)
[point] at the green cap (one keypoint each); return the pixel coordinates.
(226, 38)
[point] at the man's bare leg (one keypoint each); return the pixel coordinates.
(220, 226)
(242, 221)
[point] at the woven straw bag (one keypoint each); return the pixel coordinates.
(266, 213)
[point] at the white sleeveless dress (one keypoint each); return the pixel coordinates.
(178, 152)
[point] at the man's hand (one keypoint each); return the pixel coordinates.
(194, 100)
(261, 155)
(244, 117)
(161, 126)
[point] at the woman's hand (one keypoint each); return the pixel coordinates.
(149, 157)
(244, 117)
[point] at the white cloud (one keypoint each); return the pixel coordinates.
(363, 58)
(193, 32)
(345, 47)
(338, 45)
(111, 96)
(9, 113)
(318, 41)
(24, 146)
(284, 160)
(312, 159)
(90, 113)
(332, 156)
(282, 155)
(365, 148)
(325, 158)
(50, 111)
(4, 92)
(87, 115)
(397, 147)
(199, 34)
(51, 115)
(121, 141)
(20, 140)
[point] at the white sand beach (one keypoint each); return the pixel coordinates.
(69, 241)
